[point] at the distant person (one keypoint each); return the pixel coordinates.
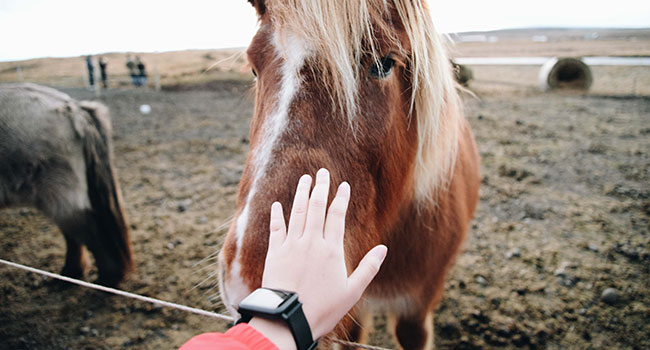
(91, 70)
(142, 73)
(103, 62)
(131, 66)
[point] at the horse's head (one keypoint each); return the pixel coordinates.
(357, 87)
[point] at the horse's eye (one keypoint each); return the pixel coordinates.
(254, 72)
(382, 68)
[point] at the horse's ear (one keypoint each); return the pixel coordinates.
(259, 6)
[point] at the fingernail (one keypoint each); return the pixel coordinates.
(380, 253)
(305, 178)
(344, 188)
(322, 172)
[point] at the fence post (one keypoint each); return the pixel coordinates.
(156, 78)
(96, 73)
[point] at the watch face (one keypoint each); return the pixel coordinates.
(264, 299)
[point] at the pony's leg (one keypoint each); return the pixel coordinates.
(73, 226)
(110, 267)
(75, 258)
(415, 331)
(83, 229)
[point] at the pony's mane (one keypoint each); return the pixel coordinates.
(343, 31)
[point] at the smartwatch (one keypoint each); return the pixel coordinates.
(276, 304)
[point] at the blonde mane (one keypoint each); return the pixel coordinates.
(343, 31)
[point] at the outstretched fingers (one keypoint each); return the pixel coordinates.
(366, 271)
(277, 226)
(318, 204)
(299, 208)
(335, 223)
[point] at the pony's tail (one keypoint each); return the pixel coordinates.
(103, 189)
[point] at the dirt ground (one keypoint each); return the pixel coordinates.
(563, 215)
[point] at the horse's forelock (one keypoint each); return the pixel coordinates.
(343, 32)
(338, 31)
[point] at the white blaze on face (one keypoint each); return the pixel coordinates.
(291, 50)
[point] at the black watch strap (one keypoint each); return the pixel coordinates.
(299, 327)
(291, 313)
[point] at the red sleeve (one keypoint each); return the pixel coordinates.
(239, 337)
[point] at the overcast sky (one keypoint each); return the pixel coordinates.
(37, 28)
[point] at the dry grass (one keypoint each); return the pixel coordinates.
(527, 48)
(175, 67)
(522, 80)
(561, 42)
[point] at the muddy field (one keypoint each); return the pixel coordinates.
(563, 216)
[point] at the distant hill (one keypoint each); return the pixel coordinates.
(562, 34)
(173, 68)
(552, 42)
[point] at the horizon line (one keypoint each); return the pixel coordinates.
(2, 60)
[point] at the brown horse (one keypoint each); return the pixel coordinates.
(55, 155)
(365, 89)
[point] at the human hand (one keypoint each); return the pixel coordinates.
(307, 257)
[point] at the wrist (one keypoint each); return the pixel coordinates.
(273, 305)
(276, 331)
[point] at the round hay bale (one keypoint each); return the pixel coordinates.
(462, 73)
(565, 73)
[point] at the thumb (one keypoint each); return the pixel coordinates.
(367, 269)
